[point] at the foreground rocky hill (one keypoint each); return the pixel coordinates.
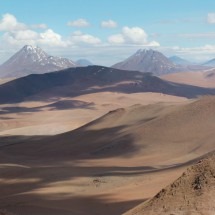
(192, 193)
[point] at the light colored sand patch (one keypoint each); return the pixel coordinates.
(5, 80)
(201, 78)
(33, 118)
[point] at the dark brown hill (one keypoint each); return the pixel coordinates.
(83, 80)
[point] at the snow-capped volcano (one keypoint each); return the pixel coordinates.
(33, 60)
(148, 60)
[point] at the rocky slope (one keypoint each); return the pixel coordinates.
(192, 193)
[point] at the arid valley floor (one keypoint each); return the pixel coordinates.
(98, 153)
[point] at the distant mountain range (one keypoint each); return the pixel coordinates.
(33, 60)
(81, 80)
(156, 63)
(210, 63)
(180, 61)
(84, 62)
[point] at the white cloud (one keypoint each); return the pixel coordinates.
(134, 35)
(23, 37)
(109, 24)
(79, 23)
(10, 23)
(16, 34)
(198, 50)
(19, 34)
(39, 26)
(211, 18)
(153, 43)
(116, 39)
(197, 35)
(49, 37)
(197, 53)
(19, 38)
(79, 37)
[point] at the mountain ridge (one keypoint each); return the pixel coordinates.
(84, 80)
(210, 63)
(180, 61)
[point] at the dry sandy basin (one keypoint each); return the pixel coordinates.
(107, 166)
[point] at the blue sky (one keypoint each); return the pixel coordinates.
(107, 31)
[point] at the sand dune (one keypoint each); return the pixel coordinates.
(65, 114)
(171, 132)
(109, 165)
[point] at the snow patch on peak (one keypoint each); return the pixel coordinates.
(30, 48)
(143, 51)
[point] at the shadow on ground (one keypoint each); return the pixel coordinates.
(58, 105)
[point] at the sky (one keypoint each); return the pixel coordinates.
(108, 31)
